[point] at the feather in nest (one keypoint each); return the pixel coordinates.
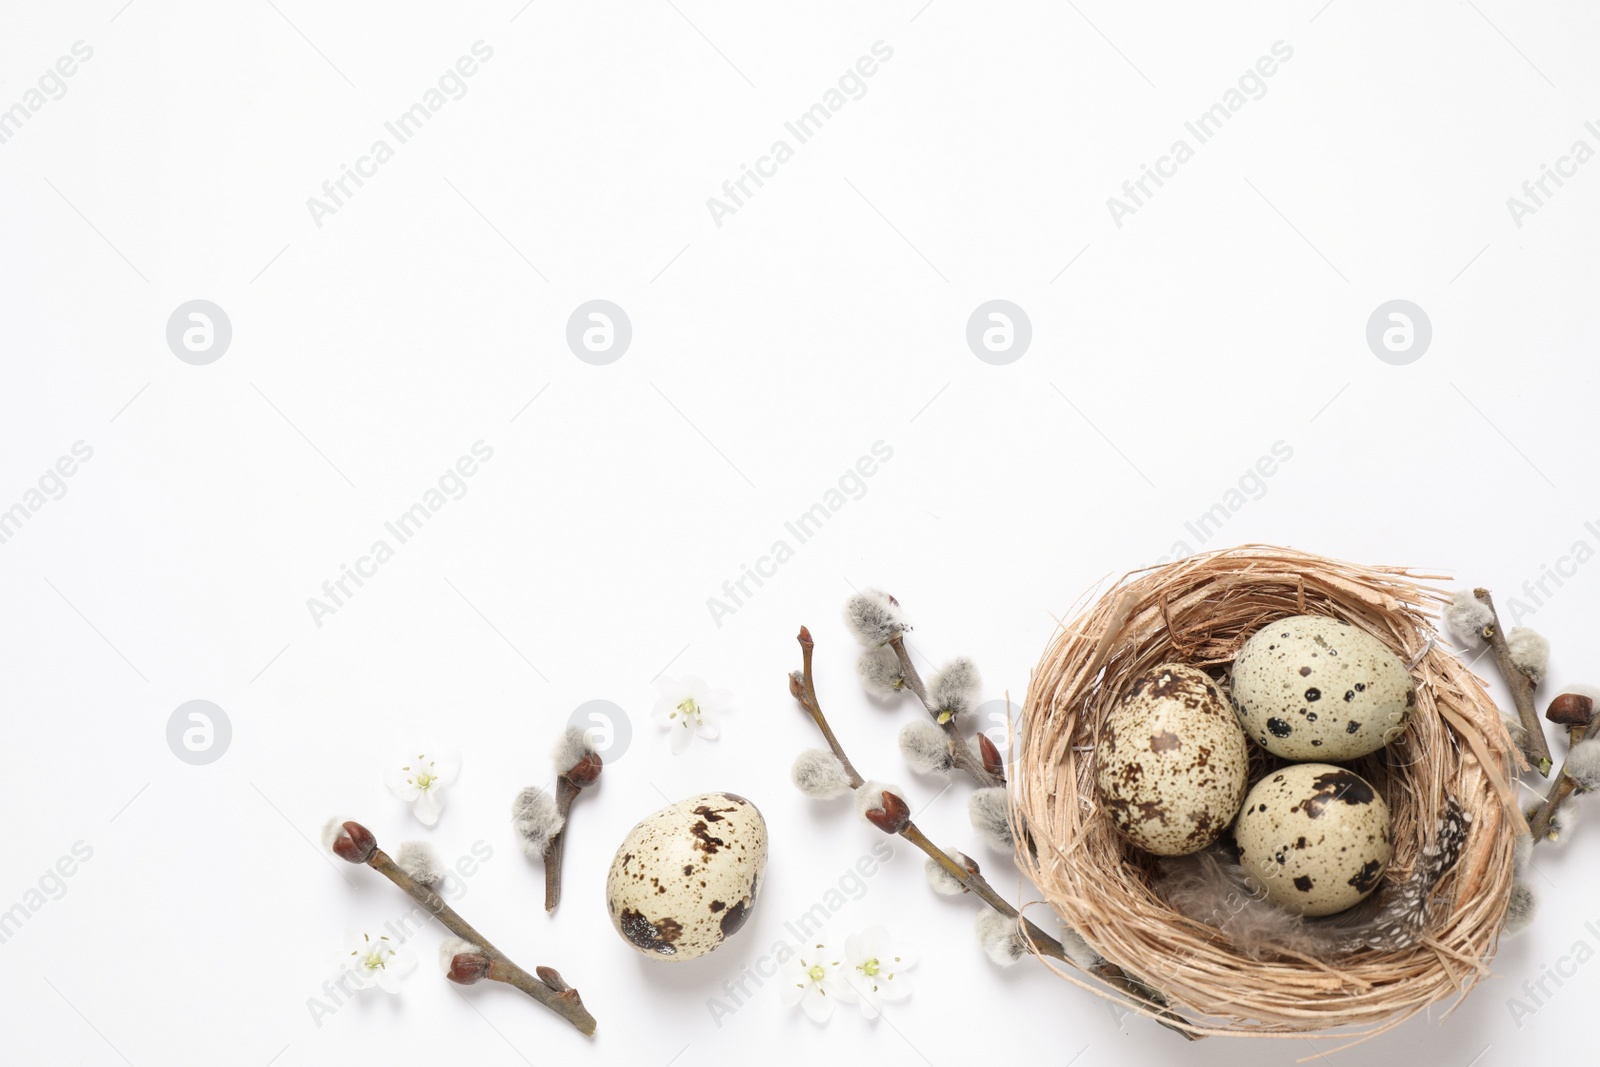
(1210, 887)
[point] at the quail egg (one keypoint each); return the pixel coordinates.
(1310, 687)
(1314, 837)
(1172, 760)
(685, 878)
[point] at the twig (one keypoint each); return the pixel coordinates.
(1534, 746)
(556, 847)
(1575, 712)
(356, 844)
(803, 688)
(963, 756)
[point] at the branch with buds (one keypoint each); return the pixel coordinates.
(541, 821)
(1004, 931)
(1581, 771)
(1521, 657)
(886, 669)
(472, 958)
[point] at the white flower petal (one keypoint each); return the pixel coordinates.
(446, 765)
(709, 727)
(817, 1006)
(428, 807)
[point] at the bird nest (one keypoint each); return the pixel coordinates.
(1455, 749)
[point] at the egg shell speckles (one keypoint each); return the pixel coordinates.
(1310, 687)
(685, 878)
(1314, 837)
(1172, 762)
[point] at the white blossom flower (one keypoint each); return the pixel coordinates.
(875, 969)
(814, 979)
(378, 961)
(690, 709)
(419, 777)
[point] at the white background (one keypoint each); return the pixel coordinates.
(827, 314)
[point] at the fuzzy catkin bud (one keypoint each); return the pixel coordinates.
(1583, 764)
(463, 962)
(1529, 651)
(417, 859)
(883, 806)
(350, 841)
(942, 881)
(1466, 617)
(535, 818)
(953, 691)
(1001, 936)
(880, 673)
(925, 747)
(819, 774)
(987, 810)
(874, 617)
(576, 758)
(1563, 821)
(1521, 909)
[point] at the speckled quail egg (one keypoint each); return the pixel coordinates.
(685, 878)
(1314, 837)
(1310, 687)
(1171, 767)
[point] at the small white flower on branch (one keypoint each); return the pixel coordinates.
(953, 690)
(942, 881)
(926, 747)
(535, 818)
(1466, 617)
(875, 969)
(814, 979)
(875, 618)
(419, 780)
(576, 757)
(818, 773)
(880, 673)
(987, 809)
(417, 859)
(1530, 652)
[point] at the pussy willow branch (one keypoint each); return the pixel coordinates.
(548, 988)
(555, 848)
(1559, 793)
(1534, 746)
(804, 690)
(964, 758)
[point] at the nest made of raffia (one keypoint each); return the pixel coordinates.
(1199, 611)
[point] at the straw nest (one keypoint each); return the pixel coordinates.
(1199, 611)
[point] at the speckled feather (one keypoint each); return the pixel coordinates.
(1210, 888)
